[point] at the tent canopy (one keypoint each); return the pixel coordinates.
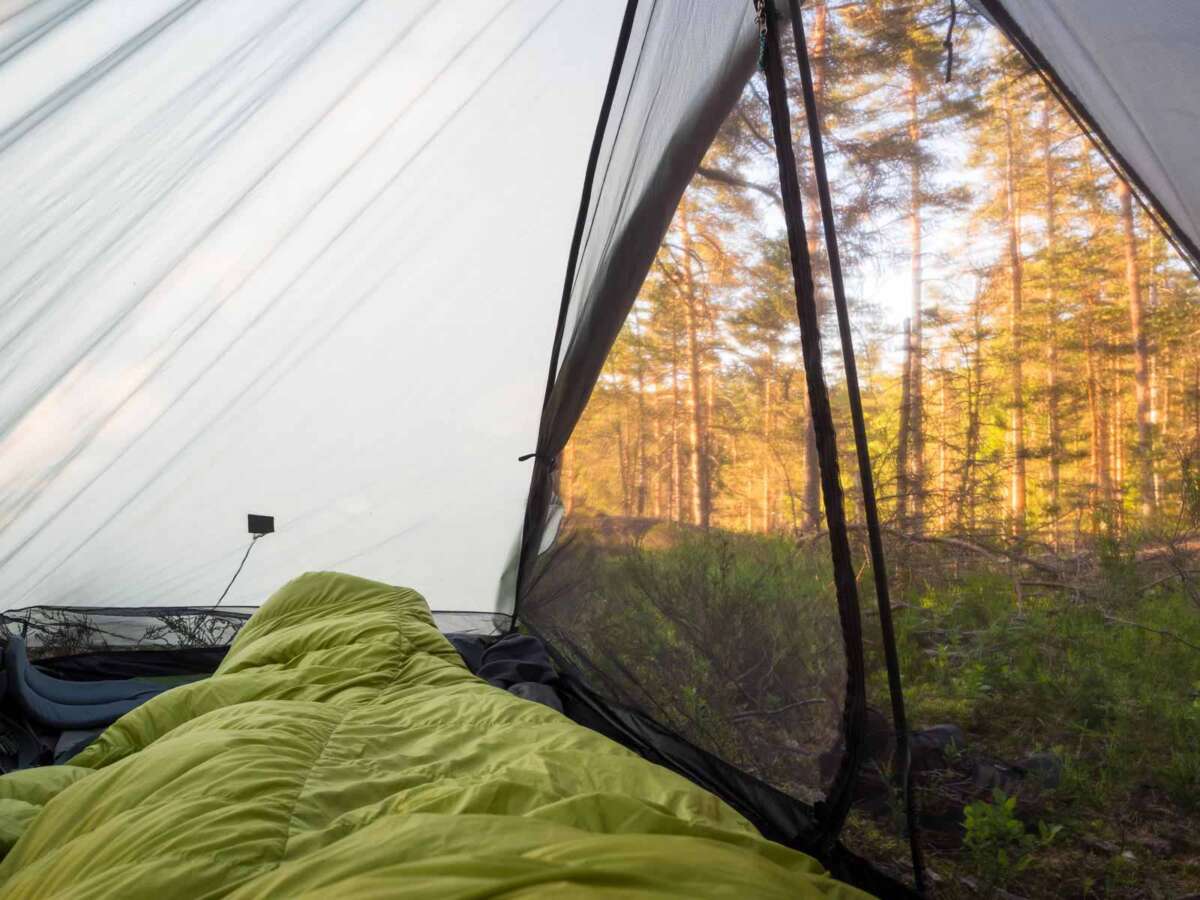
(1130, 70)
(305, 260)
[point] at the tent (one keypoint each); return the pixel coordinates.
(306, 260)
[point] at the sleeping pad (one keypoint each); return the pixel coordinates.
(342, 749)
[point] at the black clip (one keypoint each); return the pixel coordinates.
(548, 460)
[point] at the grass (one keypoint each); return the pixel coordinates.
(719, 635)
(1117, 703)
(1118, 700)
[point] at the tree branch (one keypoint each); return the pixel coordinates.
(729, 179)
(1159, 631)
(755, 713)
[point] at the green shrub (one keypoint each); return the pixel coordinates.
(999, 846)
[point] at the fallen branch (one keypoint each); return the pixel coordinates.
(995, 554)
(1159, 631)
(1055, 586)
(756, 713)
(1180, 573)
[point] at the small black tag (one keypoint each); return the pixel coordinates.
(260, 524)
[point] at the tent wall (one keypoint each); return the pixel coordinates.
(685, 68)
(1131, 70)
(643, 607)
(305, 260)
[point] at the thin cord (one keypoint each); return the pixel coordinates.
(238, 572)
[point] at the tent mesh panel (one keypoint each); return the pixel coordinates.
(53, 631)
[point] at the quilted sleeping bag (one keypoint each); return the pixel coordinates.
(342, 749)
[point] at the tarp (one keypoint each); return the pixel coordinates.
(1134, 69)
(304, 258)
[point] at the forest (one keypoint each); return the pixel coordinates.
(1027, 343)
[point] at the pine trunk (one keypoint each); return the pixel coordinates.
(639, 460)
(1117, 445)
(1016, 495)
(1054, 426)
(943, 449)
(698, 454)
(816, 51)
(676, 492)
(1101, 487)
(914, 364)
(711, 447)
(902, 444)
(967, 490)
(768, 374)
(1141, 357)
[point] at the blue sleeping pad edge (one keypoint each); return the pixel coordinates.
(69, 705)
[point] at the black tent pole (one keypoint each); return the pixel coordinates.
(902, 763)
(841, 793)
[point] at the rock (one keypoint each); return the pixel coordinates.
(1045, 768)
(932, 748)
(989, 776)
(876, 752)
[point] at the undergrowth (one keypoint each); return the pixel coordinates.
(733, 640)
(1109, 685)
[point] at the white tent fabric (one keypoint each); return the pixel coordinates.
(1135, 67)
(300, 258)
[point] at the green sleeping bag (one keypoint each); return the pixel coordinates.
(342, 749)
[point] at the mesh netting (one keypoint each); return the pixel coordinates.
(53, 631)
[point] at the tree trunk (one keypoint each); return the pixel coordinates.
(1163, 421)
(623, 468)
(1054, 427)
(656, 444)
(1196, 404)
(1016, 494)
(812, 479)
(943, 448)
(711, 446)
(676, 492)
(915, 364)
(695, 423)
(817, 57)
(1117, 445)
(967, 491)
(699, 455)
(903, 436)
(1156, 425)
(1101, 487)
(768, 374)
(639, 459)
(1160, 384)
(1141, 357)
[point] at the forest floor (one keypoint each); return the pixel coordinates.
(1078, 714)
(1056, 696)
